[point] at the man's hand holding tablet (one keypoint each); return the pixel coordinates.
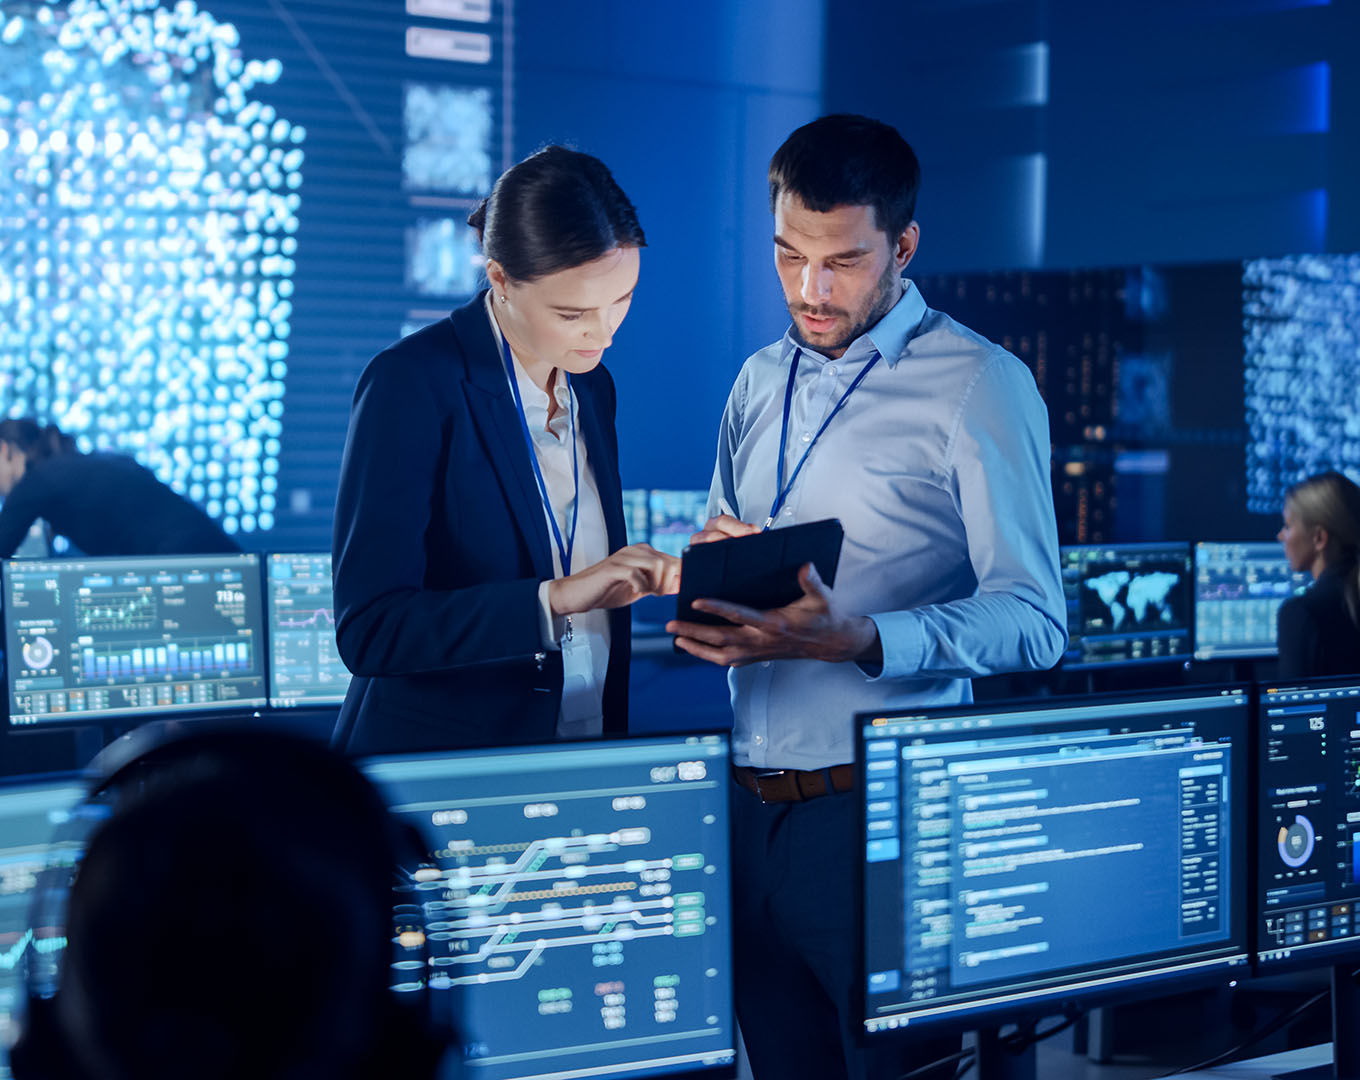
(749, 595)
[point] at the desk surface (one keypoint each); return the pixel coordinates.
(1264, 1067)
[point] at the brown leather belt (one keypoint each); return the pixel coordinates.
(794, 785)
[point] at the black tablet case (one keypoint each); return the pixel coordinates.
(758, 571)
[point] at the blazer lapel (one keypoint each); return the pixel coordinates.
(603, 463)
(496, 418)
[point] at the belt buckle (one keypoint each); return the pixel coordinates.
(766, 774)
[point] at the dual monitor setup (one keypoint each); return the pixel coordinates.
(95, 640)
(574, 902)
(110, 639)
(1022, 860)
(1133, 604)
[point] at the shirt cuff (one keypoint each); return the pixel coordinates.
(550, 627)
(903, 639)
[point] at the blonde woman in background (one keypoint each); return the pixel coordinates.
(1319, 631)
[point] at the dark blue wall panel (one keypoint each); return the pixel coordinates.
(686, 112)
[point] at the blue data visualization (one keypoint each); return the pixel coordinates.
(1239, 588)
(580, 904)
(1308, 861)
(30, 814)
(1126, 604)
(1019, 857)
(305, 668)
(95, 639)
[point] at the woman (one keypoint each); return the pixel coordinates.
(481, 577)
(105, 504)
(1319, 631)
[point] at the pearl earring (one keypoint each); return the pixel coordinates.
(502, 298)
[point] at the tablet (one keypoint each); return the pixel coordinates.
(758, 571)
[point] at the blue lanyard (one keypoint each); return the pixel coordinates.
(782, 489)
(564, 550)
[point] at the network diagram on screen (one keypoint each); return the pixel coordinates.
(29, 815)
(580, 903)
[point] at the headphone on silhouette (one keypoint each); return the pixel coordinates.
(289, 859)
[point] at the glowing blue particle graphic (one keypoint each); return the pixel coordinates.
(442, 258)
(448, 139)
(147, 210)
(1301, 327)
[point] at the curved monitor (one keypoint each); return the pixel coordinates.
(1308, 858)
(1019, 858)
(1126, 604)
(131, 638)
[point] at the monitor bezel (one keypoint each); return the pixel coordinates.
(244, 708)
(1033, 1006)
(1326, 954)
(726, 1071)
(1179, 659)
(279, 704)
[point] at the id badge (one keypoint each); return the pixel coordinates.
(580, 698)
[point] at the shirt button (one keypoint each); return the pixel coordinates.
(764, 663)
(807, 436)
(760, 740)
(831, 369)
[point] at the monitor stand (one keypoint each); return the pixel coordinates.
(997, 1062)
(1345, 1063)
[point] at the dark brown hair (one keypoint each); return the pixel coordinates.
(847, 160)
(556, 209)
(36, 441)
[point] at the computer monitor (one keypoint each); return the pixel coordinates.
(1020, 858)
(1239, 588)
(1308, 862)
(305, 668)
(1126, 604)
(582, 903)
(675, 517)
(127, 638)
(30, 811)
(637, 515)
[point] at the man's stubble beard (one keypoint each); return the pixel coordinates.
(886, 294)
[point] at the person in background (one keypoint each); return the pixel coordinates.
(482, 577)
(104, 503)
(1319, 631)
(232, 916)
(931, 446)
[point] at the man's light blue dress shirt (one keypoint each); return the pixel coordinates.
(938, 467)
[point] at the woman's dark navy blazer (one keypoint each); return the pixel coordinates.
(440, 545)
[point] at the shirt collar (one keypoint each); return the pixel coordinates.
(890, 336)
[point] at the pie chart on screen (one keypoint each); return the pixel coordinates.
(38, 653)
(1296, 842)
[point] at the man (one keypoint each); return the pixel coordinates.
(930, 444)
